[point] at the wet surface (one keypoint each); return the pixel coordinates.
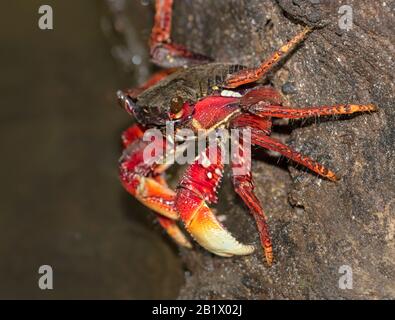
(61, 202)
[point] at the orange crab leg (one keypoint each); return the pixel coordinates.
(163, 52)
(260, 123)
(253, 74)
(260, 130)
(297, 113)
(174, 231)
(197, 188)
(267, 142)
(267, 102)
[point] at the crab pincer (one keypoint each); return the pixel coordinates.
(146, 183)
(197, 189)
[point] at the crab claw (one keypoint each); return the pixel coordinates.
(198, 185)
(134, 175)
(174, 231)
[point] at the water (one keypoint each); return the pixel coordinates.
(61, 202)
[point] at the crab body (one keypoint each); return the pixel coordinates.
(203, 97)
(152, 106)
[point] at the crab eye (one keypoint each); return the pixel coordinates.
(176, 105)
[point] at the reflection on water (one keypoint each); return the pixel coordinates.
(61, 201)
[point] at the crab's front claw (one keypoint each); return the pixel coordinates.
(150, 188)
(198, 186)
(205, 228)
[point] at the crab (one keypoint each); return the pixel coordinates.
(196, 93)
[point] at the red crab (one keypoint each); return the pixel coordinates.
(206, 96)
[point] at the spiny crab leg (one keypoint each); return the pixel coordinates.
(272, 144)
(198, 187)
(163, 52)
(243, 183)
(147, 184)
(260, 130)
(266, 102)
(264, 111)
(253, 74)
(306, 112)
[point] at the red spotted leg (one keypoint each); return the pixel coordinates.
(164, 52)
(242, 178)
(147, 184)
(253, 74)
(197, 189)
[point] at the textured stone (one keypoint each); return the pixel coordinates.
(316, 225)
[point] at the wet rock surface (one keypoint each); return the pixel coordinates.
(317, 226)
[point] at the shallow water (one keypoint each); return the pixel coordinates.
(61, 202)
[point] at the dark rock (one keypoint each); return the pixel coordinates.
(289, 88)
(351, 222)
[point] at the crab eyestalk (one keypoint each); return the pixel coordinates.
(125, 101)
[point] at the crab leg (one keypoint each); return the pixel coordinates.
(297, 113)
(147, 184)
(265, 95)
(174, 231)
(161, 30)
(132, 134)
(163, 52)
(253, 74)
(244, 187)
(258, 102)
(242, 180)
(260, 130)
(267, 142)
(267, 102)
(197, 188)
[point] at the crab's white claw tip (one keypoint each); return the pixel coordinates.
(210, 234)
